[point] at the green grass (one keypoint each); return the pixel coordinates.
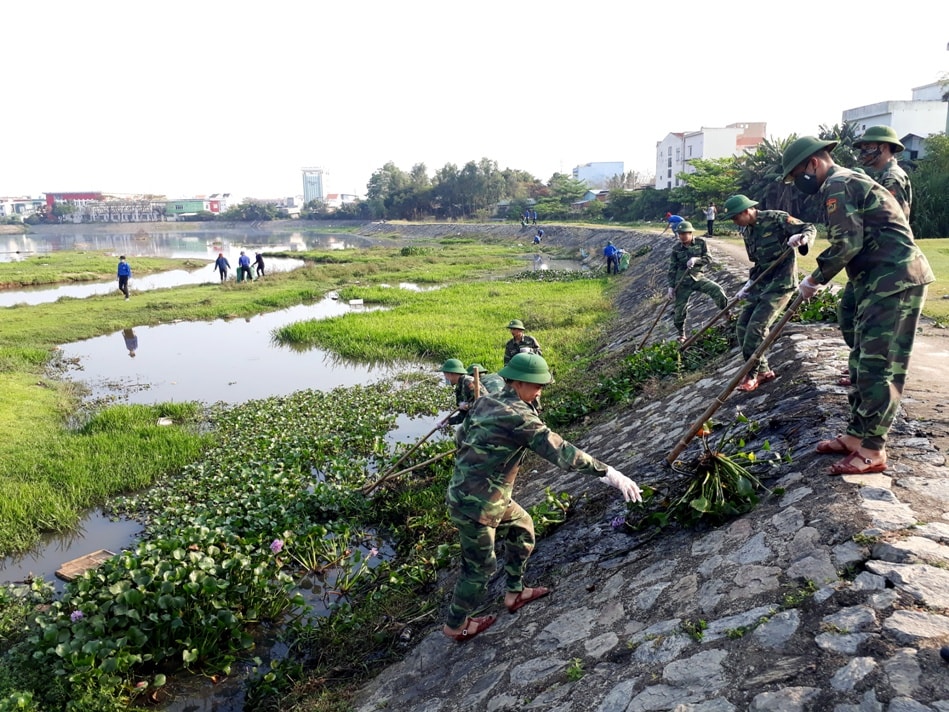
(68, 267)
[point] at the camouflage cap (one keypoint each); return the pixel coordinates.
(737, 204)
(800, 150)
(685, 226)
(453, 365)
(529, 368)
(515, 324)
(881, 134)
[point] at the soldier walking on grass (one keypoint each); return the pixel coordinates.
(870, 237)
(770, 238)
(689, 257)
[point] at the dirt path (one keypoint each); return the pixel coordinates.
(926, 397)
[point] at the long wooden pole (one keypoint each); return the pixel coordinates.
(662, 311)
(736, 379)
(366, 489)
(692, 339)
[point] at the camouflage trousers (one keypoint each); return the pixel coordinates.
(755, 321)
(884, 331)
(685, 290)
(479, 562)
(846, 313)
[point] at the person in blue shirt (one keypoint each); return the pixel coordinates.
(243, 265)
(612, 257)
(222, 265)
(673, 223)
(124, 272)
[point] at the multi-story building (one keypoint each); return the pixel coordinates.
(21, 207)
(675, 151)
(312, 184)
(914, 120)
(598, 175)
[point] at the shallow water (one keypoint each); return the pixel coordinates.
(224, 360)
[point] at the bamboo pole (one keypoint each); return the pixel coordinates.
(366, 489)
(416, 445)
(663, 310)
(692, 339)
(742, 372)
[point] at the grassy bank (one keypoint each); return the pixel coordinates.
(71, 267)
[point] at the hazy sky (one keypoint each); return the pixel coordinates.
(205, 96)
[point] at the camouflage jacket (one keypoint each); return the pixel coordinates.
(869, 236)
(512, 347)
(465, 395)
(682, 254)
(492, 382)
(895, 180)
(497, 433)
(766, 241)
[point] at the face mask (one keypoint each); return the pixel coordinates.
(807, 183)
(869, 156)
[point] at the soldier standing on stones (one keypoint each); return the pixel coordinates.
(491, 442)
(770, 236)
(878, 148)
(686, 263)
(870, 237)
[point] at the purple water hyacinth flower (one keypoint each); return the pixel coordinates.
(76, 616)
(373, 552)
(276, 546)
(618, 522)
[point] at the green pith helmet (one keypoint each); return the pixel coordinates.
(476, 367)
(684, 226)
(801, 149)
(880, 134)
(737, 204)
(529, 368)
(453, 365)
(515, 324)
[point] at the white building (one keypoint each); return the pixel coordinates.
(924, 114)
(675, 151)
(312, 184)
(597, 175)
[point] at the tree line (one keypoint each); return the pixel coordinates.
(482, 191)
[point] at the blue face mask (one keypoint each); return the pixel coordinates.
(807, 183)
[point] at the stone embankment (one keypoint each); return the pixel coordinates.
(833, 594)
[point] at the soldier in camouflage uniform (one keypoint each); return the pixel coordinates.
(491, 442)
(878, 148)
(870, 238)
(770, 238)
(688, 259)
(492, 382)
(463, 384)
(519, 341)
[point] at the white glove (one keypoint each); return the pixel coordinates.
(808, 287)
(797, 240)
(615, 478)
(464, 406)
(441, 423)
(743, 292)
(691, 263)
(671, 293)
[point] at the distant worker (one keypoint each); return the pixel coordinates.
(492, 382)
(710, 213)
(124, 272)
(672, 223)
(222, 265)
(243, 267)
(519, 342)
(770, 238)
(686, 263)
(259, 261)
(612, 258)
(534, 217)
(539, 236)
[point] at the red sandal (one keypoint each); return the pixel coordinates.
(482, 623)
(522, 600)
(849, 465)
